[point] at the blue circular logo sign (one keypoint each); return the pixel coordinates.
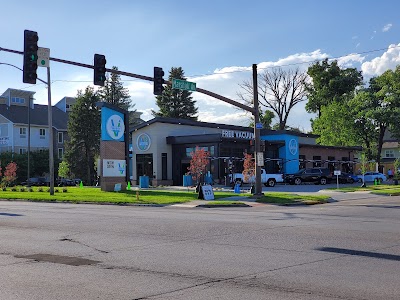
(115, 127)
(143, 142)
(293, 146)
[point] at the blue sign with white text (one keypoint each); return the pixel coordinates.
(112, 125)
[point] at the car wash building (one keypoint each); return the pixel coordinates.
(162, 147)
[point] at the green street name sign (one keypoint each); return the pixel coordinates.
(183, 85)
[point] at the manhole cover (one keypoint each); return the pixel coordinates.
(59, 259)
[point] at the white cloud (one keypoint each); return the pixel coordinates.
(234, 117)
(349, 60)
(387, 27)
(388, 60)
(296, 60)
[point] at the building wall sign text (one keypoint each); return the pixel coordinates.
(238, 134)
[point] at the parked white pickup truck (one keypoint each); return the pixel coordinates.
(267, 179)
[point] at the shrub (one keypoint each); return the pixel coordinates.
(22, 189)
(30, 189)
(40, 189)
(64, 190)
(4, 189)
(14, 189)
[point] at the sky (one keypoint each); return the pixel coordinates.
(215, 42)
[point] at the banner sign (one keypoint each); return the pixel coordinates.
(114, 168)
(112, 125)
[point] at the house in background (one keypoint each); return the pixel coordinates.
(19, 115)
(390, 152)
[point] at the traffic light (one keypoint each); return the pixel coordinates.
(30, 57)
(99, 69)
(158, 81)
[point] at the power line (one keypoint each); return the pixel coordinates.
(299, 63)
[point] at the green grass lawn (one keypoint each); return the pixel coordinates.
(87, 194)
(287, 199)
(160, 197)
(381, 189)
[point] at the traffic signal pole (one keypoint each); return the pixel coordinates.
(253, 110)
(257, 148)
(51, 143)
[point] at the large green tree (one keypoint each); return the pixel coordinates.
(330, 83)
(84, 135)
(174, 103)
(113, 92)
(364, 118)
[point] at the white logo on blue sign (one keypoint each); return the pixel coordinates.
(293, 146)
(115, 127)
(143, 142)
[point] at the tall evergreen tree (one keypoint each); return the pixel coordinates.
(174, 103)
(113, 92)
(84, 135)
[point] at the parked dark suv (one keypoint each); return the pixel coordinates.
(36, 181)
(313, 175)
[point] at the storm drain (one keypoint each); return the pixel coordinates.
(59, 259)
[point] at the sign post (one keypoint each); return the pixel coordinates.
(43, 57)
(337, 173)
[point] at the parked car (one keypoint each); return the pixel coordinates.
(36, 181)
(347, 178)
(77, 180)
(371, 176)
(315, 175)
(66, 182)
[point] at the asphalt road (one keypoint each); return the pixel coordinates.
(349, 249)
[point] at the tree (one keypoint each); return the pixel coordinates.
(113, 92)
(249, 168)
(84, 133)
(174, 103)
(63, 169)
(330, 83)
(265, 119)
(384, 92)
(335, 126)
(278, 90)
(198, 163)
(10, 174)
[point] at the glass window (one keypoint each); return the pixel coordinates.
(17, 100)
(22, 131)
(22, 150)
(302, 161)
(60, 137)
(317, 161)
(389, 153)
(164, 165)
(42, 133)
(60, 153)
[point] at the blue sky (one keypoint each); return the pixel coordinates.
(215, 42)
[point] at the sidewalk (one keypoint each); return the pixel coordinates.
(203, 203)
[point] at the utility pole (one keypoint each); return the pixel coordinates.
(51, 142)
(29, 139)
(258, 188)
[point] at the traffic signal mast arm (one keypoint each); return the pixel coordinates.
(142, 77)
